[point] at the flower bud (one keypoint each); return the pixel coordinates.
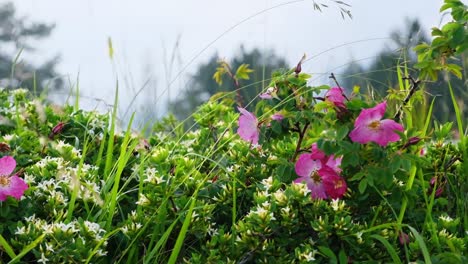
(403, 238)
(57, 130)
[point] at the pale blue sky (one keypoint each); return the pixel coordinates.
(140, 29)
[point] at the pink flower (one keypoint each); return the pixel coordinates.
(309, 171)
(335, 186)
(321, 179)
(10, 185)
(317, 153)
(334, 163)
(335, 95)
(370, 128)
(277, 116)
(248, 126)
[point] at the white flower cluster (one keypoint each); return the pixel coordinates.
(93, 235)
(153, 177)
(66, 178)
(65, 148)
(133, 226)
(263, 212)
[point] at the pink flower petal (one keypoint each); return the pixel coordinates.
(266, 96)
(335, 186)
(387, 133)
(277, 116)
(317, 153)
(363, 135)
(335, 95)
(305, 165)
(16, 188)
(372, 114)
(317, 190)
(334, 163)
(246, 113)
(248, 126)
(7, 165)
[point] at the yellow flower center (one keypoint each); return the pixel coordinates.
(338, 184)
(375, 125)
(4, 181)
(315, 177)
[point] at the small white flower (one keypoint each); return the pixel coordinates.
(20, 230)
(143, 200)
(359, 237)
(308, 257)
(8, 138)
(49, 247)
(43, 259)
(268, 182)
(445, 218)
(20, 91)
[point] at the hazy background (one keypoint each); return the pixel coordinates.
(148, 35)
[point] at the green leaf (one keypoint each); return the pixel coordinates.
(358, 176)
(455, 70)
(362, 186)
(243, 72)
(451, 26)
(342, 132)
(436, 32)
(343, 258)
(350, 159)
(218, 75)
(328, 253)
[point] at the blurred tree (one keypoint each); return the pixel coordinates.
(15, 36)
(201, 86)
(381, 74)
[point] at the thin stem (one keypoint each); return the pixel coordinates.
(413, 88)
(332, 76)
(301, 138)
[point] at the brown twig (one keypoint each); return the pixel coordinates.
(332, 76)
(413, 88)
(236, 84)
(301, 138)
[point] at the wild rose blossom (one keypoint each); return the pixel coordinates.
(335, 95)
(369, 127)
(248, 126)
(10, 185)
(320, 174)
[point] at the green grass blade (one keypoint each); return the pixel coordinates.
(457, 110)
(110, 141)
(6, 247)
(27, 249)
(125, 153)
(180, 239)
(422, 245)
(391, 251)
(428, 118)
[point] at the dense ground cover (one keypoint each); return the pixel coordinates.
(309, 174)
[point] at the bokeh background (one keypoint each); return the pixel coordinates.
(165, 52)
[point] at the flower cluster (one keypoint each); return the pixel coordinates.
(321, 174)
